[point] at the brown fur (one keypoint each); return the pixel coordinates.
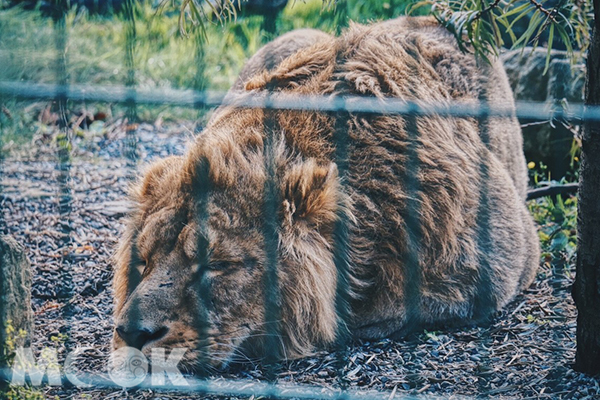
(477, 250)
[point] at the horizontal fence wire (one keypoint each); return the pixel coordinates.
(535, 111)
(247, 388)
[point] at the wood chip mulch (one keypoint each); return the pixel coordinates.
(527, 352)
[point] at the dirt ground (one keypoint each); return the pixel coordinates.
(526, 352)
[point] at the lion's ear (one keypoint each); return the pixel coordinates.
(295, 70)
(156, 177)
(311, 193)
(196, 171)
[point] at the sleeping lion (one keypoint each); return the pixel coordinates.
(439, 234)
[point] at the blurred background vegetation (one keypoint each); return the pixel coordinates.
(165, 55)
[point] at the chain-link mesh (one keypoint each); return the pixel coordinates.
(341, 109)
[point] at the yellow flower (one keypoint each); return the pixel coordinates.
(531, 165)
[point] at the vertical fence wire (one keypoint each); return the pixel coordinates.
(129, 150)
(64, 142)
(131, 139)
(201, 192)
(201, 197)
(341, 15)
(484, 302)
(269, 24)
(412, 223)
(271, 203)
(391, 9)
(199, 83)
(414, 233)
(559, 81)
(65, 134)
(4, 115)
(341, 253)
(341, 249)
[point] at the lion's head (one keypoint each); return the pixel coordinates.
(168, 294)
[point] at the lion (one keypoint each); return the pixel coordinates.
(438, 231)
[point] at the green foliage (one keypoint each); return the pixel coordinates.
(15, 339)
(322, 14)
(164, 53)
(194, 14)
(24, 393)
(481, 26)
(557, 221)
(556, 217)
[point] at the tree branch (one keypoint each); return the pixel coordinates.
(539, 6)
(486, 10)
(554, 190)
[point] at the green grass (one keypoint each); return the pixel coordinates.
(96, 45)
(96, 48)
(95, 53)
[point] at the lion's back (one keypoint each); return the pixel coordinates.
(460, 182)
(442, 232)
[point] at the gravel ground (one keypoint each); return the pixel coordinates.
(526, 352)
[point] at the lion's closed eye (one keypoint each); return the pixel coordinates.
(230, 266)
(220, 265)
(221, 268)
(141, 267)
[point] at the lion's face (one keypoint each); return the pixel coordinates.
(169, 295)
(172, 300)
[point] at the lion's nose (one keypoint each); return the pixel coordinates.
(139, 337)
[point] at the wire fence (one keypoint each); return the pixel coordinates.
(575, 113)
(341, 108)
